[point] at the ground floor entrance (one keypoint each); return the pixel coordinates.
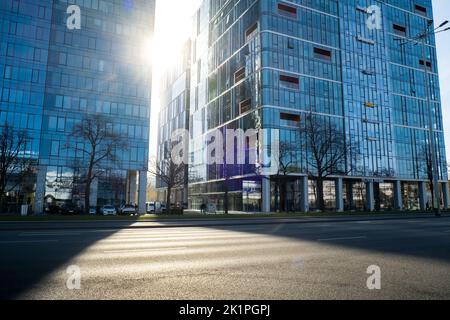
(301, 194)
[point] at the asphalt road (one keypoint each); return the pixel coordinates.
(276, 259)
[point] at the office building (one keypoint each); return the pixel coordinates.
(270, 64)
(63, 60)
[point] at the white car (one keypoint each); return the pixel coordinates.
(108, 211)
(151, 207)
(128, 209)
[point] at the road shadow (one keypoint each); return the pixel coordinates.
(427, 238)
(29, 252)
(24, 263)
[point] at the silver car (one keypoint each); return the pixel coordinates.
(128, 209)
(108, 211)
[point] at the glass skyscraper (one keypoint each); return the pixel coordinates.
(53, 74)
(268, 64)
(174, 116)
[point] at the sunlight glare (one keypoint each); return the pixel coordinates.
(174, 20)
(173, 29)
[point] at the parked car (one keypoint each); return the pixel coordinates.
(151, 207)
(127, 209)
(93, 211)
(108, 211)
(52, 209)
(70, 209)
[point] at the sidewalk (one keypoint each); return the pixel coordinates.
(198, 222)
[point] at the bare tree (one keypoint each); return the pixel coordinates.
(427, 169)
(327, 151)
(98, 144)
(286, 166)
(171, 174)
(14, 165)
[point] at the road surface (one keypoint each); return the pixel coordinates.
(228, 259)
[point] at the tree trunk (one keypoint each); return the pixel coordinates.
(320, 200)
(87, 197)
(225, 201)
(89, 178)
(283, 196)
(277, 195)
(2, 192)
(168, 196)
(433, 200)
(2, 202)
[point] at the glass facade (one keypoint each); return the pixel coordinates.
(53, 75)
(174, 117)
(266, 64)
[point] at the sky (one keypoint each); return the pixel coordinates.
(442, 13)
(173, 27)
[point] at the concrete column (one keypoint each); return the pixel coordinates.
(445, 194)
(265, 194)
(423, 197)
(40, 190)
(94, 193)
(304, 194)
(142, 197)
(339, 195)
(370, 196)
(398, 199)
(185, 195)
(131, 187)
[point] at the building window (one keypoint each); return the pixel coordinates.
(15, 6)
(7, 72)
(13, 28)
(55, 148)
(289, 82)
(428, 64)
(63, 58)
(52, 123)
(251, 31)
(399, 30)
(322, 54)
(245, 105)
(289, 119)
(59, 101)
(239, 75)
(41, 12)
(35, 76)
(83, 104)
(420, 10)
(290, 43)
(287, 10)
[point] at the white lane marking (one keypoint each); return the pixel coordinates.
(241, 237)
(343, 238)
(145, 250)
(363, 222)
(27, 241)
(415, 221)
(37, 234)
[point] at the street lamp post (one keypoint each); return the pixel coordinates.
(435, 171)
